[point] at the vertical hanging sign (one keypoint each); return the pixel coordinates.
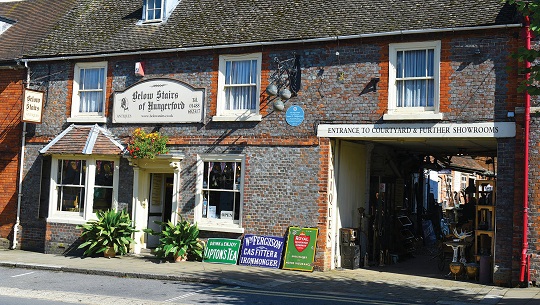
(300, 251)
(32, 111)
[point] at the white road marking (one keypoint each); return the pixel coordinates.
(187, 295)
(27, 273)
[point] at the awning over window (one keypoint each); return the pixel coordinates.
(84, 140)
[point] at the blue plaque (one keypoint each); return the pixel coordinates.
(262, 251)
(294, 115)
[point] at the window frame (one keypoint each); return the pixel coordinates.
(146, 9)
(76, 115)
(237, 115)
(415, 113)
(219, 225)
(56, 215)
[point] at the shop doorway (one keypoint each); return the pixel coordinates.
(160, 204)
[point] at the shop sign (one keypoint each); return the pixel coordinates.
(32, 106)
(300, 249)
(159, 100)
(262, 251)
(221, 250)
(419, 130)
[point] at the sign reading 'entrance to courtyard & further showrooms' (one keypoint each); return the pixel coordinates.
(419, 130)
(159, 100)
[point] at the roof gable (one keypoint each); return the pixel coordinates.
(84, 140)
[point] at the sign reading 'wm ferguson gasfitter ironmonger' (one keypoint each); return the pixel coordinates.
(419, 130)
(159, 101)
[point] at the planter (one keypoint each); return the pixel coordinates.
(109, 252)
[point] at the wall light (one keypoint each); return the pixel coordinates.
(284, 82)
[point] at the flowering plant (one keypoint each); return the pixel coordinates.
(147, 145)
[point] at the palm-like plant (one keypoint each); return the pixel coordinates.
(180, 240)
(112, 229)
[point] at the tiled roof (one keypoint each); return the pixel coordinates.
(84, 140)
(106, 26)
(32, 20)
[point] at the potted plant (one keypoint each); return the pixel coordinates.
(181, 241)
(109, 234)
(147, 145)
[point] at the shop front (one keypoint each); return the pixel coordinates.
(401, 187)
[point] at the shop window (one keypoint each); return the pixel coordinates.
(239, 87)
(413, 90)
(220, 184)
(89, 89)
(81, 187)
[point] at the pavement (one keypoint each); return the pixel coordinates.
(409, 281)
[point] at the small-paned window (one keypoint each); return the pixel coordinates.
(219, 191)
(82, 186)
(154, 10)
(413, 87)
(239, 87)
(89, 89)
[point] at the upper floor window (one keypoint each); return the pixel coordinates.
(239, 87)
(89, 89)
(156, 11)
(413, 88)
(153, 10)
(82, 186)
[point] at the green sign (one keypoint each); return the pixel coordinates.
(300, 251)
(222, 250)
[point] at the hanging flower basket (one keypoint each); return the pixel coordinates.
(147, 145)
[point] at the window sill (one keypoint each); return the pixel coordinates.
(87, 120)
(220, 228)
(401, 116)
(72, 220)
(237, 118)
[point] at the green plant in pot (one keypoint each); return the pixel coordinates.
(181, 241)
(109, 234)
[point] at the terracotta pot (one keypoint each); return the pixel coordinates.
(178, 258)
(109, 252)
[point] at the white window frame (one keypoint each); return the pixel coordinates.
(237, 115)
(87, 214)
(87, 117)
(146, 9)
(219, 225)
(413, 113)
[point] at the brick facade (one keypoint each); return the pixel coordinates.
(286, 167)
(11, 92)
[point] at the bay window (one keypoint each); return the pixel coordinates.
(82, 186)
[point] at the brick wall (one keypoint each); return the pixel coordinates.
(286, 167)
(11, 91)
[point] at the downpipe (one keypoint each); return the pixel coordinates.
(524, 259)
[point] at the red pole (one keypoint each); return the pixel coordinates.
(525, 246)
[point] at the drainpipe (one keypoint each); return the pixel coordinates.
(21, 166)
(525, 246)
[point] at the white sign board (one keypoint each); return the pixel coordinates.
(32, 106)
(159, 101)
(419, 130)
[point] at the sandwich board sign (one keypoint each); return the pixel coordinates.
(300, 250)
(222, 250)
(262, 251)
